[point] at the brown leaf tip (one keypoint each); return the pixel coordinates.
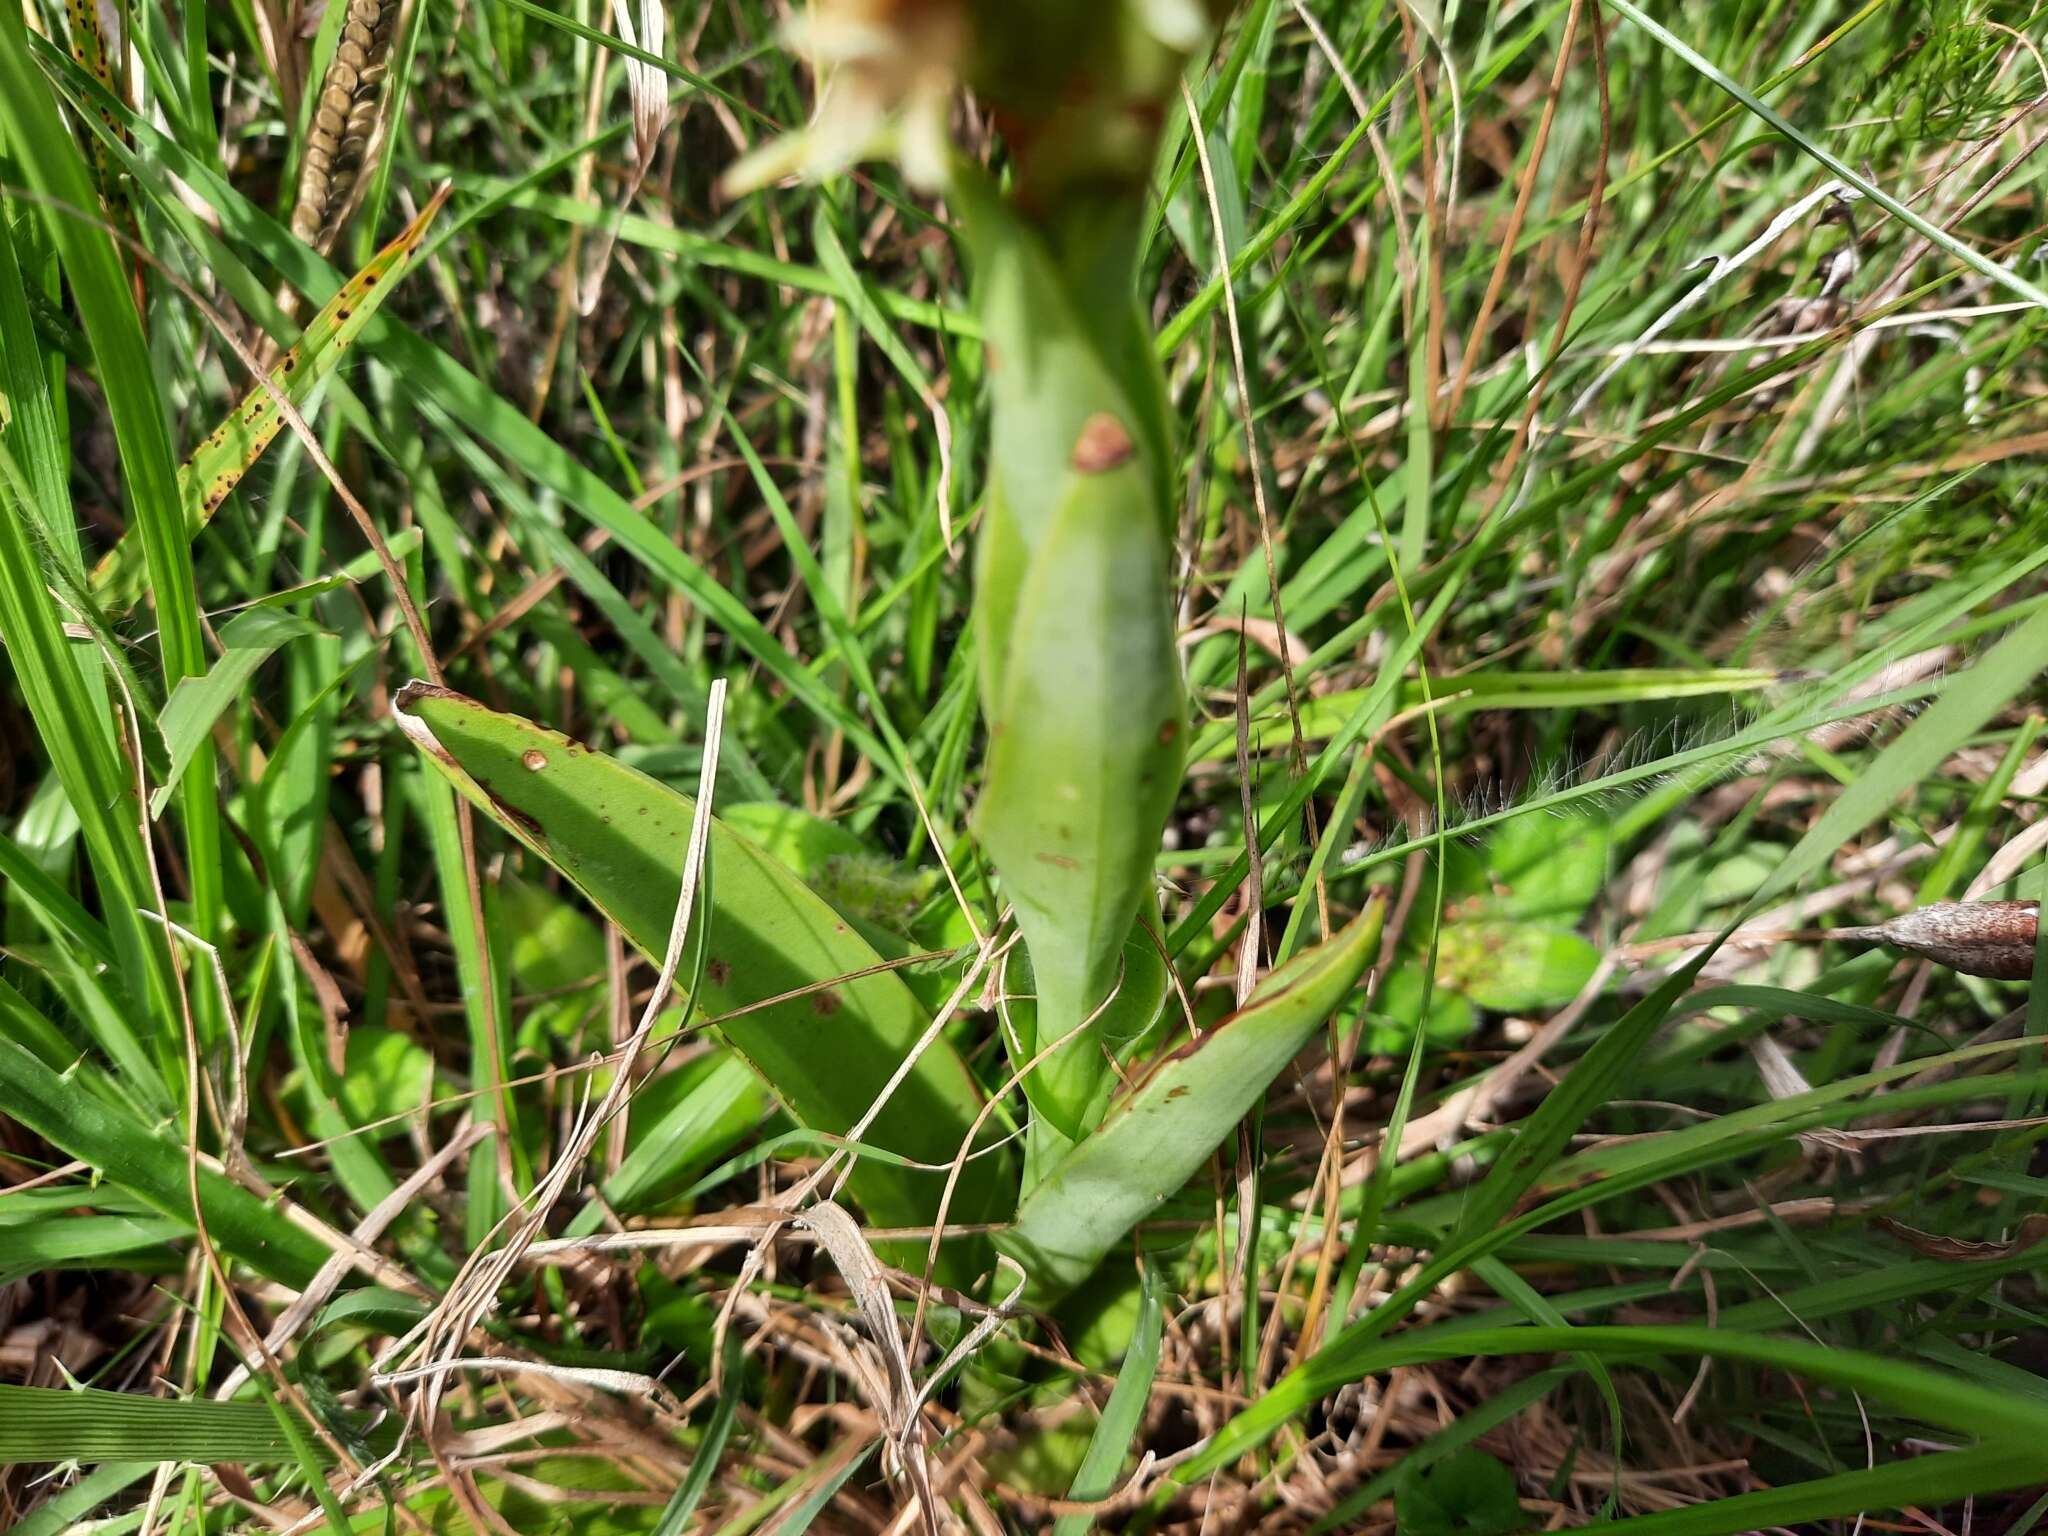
(1102, 445)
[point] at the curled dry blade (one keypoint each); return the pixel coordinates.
(1979, 938)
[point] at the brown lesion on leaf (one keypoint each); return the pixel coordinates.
(826, 1003)
(717, 972)
(1058, 860)
(1103, 445)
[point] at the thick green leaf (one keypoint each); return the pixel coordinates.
(549, 944)
(1154, 1139)
(389, 1074)
(1085, 739)
(1402, 1003)
(807, 844)
(827, 1051)
(1514, 967)
(1080, 679)
(1542, 867)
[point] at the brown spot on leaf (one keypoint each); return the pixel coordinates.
(826, 1003)
(1102, 445)
(534, 758)
(1059, 861)
(1168, 731)
(718, 971)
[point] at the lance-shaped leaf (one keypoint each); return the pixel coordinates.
(1074, 607)
(1158, 1135)
(781, 972)
(218, 464)
(1084, 757)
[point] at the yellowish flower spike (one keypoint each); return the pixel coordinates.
(888, 71)
(1077, 86)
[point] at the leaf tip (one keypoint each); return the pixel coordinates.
(417, 731)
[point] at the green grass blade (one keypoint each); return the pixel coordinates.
(70, 1509)
(76, 734)
(1918, 1482)
(1324, 716)
(86, 1126)
(53, 1424)
(82, 1242)
(50, 160)
(1965, 703)
(1123, 1415)
(720, 1107)
(28, 427)
(805, 1511)
(54, 905)
(1969, 255)
(247, 641)
(675, 1515)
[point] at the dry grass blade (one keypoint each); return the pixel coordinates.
(642, 25)
(1979, 938)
